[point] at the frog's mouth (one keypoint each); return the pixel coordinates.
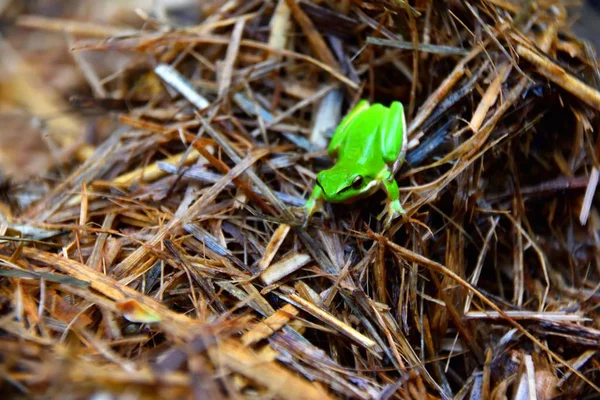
(325, 194)
(321, 186)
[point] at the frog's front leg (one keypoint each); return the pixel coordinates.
(314, 204)
(393, 208)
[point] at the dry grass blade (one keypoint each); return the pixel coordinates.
(73, 27)
(589, 196)
(232, 53)
(314, 38)
(327, 318)
(428, 48)
(488, 99)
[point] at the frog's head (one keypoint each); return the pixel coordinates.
(342, 183)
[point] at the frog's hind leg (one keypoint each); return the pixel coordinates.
(340, 132)
(393, 134)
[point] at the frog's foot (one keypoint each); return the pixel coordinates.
(311, 207)
(392, 211)
(309, 210)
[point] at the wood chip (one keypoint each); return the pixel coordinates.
(276, 240)
(284, 267)
(270, 325)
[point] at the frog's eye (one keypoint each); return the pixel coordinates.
(357, 182)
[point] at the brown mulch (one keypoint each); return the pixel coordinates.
(153, 166)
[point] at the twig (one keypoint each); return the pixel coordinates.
(561, 77)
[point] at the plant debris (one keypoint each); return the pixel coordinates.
(152, 243)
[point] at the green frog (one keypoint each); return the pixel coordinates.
(367, 143)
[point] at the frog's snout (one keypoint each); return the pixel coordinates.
(320, 178)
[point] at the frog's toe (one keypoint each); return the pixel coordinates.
(305, 222)
(396, 208)
(313, 206)
(393, 210)
(306, 217)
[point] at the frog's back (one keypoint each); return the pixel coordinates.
(363, 141)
